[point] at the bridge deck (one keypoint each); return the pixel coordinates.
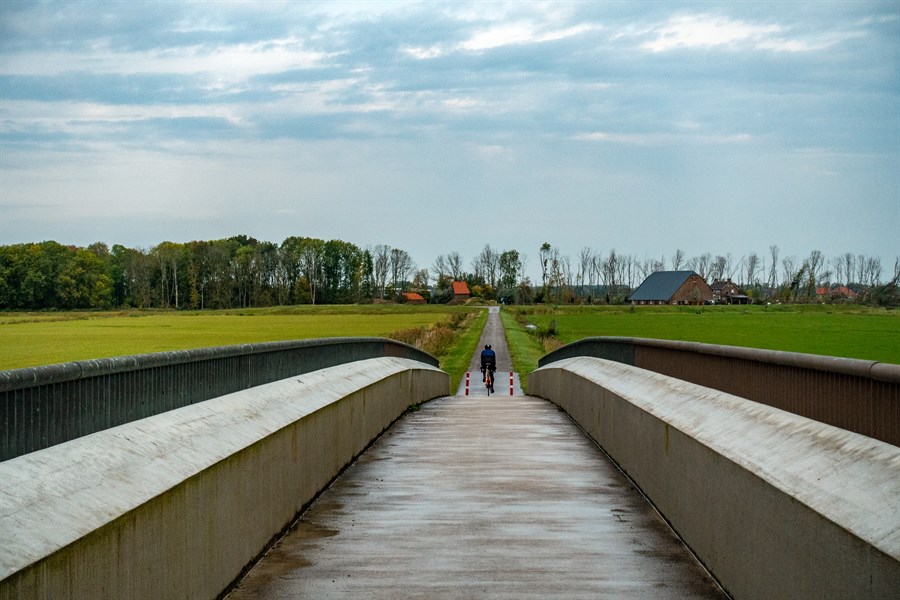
(475, 497)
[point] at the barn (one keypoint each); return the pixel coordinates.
(672, 287)
(414, 298)
(461, 291)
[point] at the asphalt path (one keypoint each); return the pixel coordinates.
(495, 335)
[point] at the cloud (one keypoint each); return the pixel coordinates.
(426, 109)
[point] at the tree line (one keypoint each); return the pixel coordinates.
(240, 272)
(236, 272)
(762, 277)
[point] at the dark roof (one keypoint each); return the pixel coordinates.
(661, 285)
(720, 285)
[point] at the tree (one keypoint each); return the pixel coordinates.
(381, 264)
(510, 264)
(849, 267)
(439, 268)
(678, 260)
(773, 268)
(454, 263)
(401, 268)
(751, 264)
(312, 256)
(486, 265)
(544, 254)
(168, 257)
(585, 262)
(813, 271)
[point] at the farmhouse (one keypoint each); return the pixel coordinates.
(461, 291)
(836, 293)
(726, 292)
(672, 287)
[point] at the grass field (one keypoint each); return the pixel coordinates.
(33, 339)
(847, 331)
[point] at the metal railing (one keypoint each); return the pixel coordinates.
(857, 395)
(44, 406)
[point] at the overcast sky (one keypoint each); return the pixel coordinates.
(437, 127)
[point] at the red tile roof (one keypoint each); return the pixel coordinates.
(460, 288)
(412, 296)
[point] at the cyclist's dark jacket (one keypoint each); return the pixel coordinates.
(488, 359)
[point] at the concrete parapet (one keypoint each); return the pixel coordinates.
(857, 395)
(47, 405)
(177, 504)
(774, 504)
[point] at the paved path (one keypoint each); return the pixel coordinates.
(471, 497)
(476, 498)
(494, 335)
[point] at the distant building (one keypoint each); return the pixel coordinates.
(836, 293)
(672, 287)
(414, 298)
(726, 292)
(461, 291)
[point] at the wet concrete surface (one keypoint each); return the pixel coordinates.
(480, 498)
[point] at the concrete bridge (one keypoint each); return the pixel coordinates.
(363, 478)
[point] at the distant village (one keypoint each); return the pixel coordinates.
(664, 288)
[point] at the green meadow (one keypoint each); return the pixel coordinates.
(846, 331)
(33, 339)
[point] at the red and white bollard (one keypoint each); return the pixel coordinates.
(467, 383)
(510, 383)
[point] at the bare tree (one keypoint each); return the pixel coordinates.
(628, 271)
(401, 267)
(849, 266)
(584, 273)
(773, 272)
(837, 263)
(751, 264)
(861, 269)
(678, 260)
(730, 266)
(610, 271)
(700, 264)
(814, 265)
(381, 266)
(873, 271)
(440, 269)
(454, 263)
(789, 268)
(718, 268)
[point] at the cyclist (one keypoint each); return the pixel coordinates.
(488, 361)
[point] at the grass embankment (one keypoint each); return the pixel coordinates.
(453, 343)
(33, 339)
(846, 331)
(525, 348)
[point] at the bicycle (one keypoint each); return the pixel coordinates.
(489, 380)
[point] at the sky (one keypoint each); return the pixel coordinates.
(644, 127)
